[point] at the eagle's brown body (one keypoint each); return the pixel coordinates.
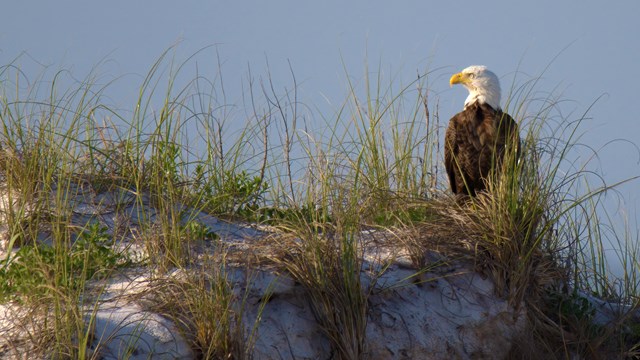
(475, 144)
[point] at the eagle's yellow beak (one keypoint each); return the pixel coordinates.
(459, 78)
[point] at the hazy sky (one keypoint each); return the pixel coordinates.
(596, 47)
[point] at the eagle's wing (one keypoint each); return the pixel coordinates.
(461, 149)
(467, 150)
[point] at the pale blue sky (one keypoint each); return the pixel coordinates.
(597, 44)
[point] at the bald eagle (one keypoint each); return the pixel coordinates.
(477, 137)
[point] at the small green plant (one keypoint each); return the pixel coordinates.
(571, 307)
(165, 161)
(306, 214)
(198, 231)
(235, 193)
(35, 266)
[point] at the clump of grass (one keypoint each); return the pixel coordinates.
(40, 149)
(208, 312)
(329, 266)
(391, 145)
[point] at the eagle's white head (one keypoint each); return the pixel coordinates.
(483, 85)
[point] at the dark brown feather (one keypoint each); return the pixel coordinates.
(474, 145)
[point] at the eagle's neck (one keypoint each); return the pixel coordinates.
(487, 94)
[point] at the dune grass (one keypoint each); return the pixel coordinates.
(537, 231)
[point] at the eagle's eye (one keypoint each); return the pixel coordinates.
(472, 75)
